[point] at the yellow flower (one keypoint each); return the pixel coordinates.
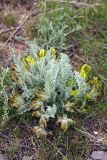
(30, 60)
(95, 80)
(42, 53)
(53, 51)
(85, 71)
(25, 63)
(74, 93)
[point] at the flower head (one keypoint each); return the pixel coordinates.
(53, 51)
(42, 53)
(30, 60)
(85, 71)
(74, 93)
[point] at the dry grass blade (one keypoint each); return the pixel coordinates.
(86, 134)
(77, 3)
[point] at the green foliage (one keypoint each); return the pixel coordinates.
(93, 37)
(62, 25)
(4, 107)
(44, 84)
(30, 29)
(55, 24)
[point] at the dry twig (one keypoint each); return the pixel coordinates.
(23, 22)
(16, 30)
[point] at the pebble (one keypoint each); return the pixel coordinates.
(98, 155)
(27, 158)
(2, 157)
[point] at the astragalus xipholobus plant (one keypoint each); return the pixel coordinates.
(47, 86)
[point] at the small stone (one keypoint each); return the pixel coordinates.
(27, 158)
(2, 157)
(95, 132)
(105, 156)
(105, 141)
(98, 155)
